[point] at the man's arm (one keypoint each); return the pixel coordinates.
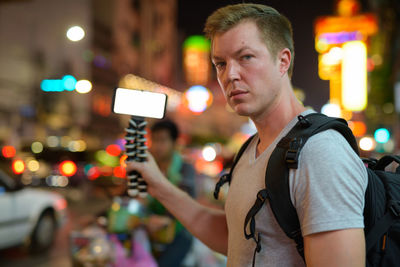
(335, 248)
(208, 225)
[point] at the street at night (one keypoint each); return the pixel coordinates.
(123, 128)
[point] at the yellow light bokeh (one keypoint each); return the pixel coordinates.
(321, 45)
(68, 168)
(18, 166)
(83, 86)
(367, 143)
(33, 165)
(354, 76)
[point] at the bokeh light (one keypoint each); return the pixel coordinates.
(113, 150)
(93, 173)
(77, 146)
(358, 128)
(209, 153)
(382, 135)
(37, 147)
(57, 181)
(119, 172)
(198, 98)
(122, 162)
(367, 143)
(53, 141)
(331, 109)
(69, 82)
(83, 86)
(18, 166)
(106, 159)
(75, 33)
(68, 168)
(8, 151)
(354, 76)
(33, 165)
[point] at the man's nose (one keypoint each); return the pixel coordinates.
(233, 71)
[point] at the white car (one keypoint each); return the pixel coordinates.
(28, 216)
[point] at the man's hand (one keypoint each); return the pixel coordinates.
(150, 173)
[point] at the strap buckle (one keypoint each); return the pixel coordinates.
(292, 154)
(304, 122)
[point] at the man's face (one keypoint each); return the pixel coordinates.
(247, 73)
(162, 145)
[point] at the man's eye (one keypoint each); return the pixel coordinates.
(247, 57)
(219, 65)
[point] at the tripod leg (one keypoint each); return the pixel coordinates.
(136, 151)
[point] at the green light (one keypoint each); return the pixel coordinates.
(105, 159)
(197, 42)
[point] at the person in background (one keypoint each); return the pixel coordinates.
(162, 225)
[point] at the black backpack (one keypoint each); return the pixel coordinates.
(382, 197)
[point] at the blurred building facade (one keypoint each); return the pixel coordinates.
(122, 36)
(34, 47)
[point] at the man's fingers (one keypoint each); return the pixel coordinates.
(134, 166)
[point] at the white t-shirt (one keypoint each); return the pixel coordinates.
(327, 191)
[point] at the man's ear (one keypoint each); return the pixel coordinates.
(284, 58)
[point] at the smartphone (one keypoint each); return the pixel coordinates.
(139, 103)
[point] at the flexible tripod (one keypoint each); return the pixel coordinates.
(136, 151)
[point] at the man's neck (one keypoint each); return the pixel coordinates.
(272, 122)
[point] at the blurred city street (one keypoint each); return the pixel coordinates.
(83, 212)
(70, 71)
(80, 213)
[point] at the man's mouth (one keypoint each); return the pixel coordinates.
(237, 92)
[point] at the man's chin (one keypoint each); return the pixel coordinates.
(241, 110)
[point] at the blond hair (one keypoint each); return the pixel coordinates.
(276, 30)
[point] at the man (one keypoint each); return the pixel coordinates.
(164, 135)
(252, 50)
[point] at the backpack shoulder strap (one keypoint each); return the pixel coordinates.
(285, 157)
(227, 177)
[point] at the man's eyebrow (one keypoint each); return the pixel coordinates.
(216, 58)
(239, 51)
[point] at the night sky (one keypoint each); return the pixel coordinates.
(193, 13)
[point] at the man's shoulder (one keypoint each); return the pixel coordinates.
(329, 139)
(329, 149)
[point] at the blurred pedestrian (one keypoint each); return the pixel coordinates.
(171, 241)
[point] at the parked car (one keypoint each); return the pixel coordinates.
(28, 216)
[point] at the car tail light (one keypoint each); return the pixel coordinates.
(60, 204)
